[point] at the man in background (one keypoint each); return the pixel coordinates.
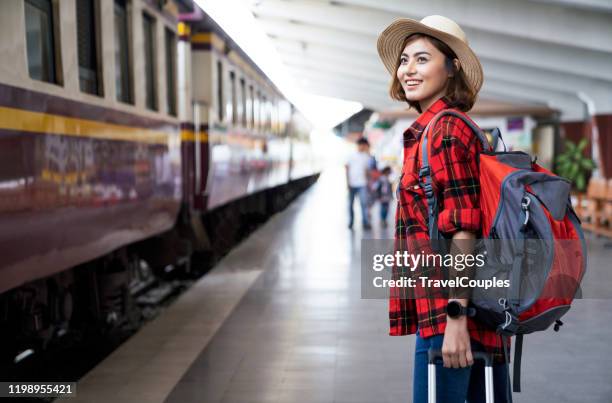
(357, 172)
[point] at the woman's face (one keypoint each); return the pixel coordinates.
(422, 72)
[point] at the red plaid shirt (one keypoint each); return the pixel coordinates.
(455, 178)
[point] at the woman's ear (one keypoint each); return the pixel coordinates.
(453, 67)
(456, 67)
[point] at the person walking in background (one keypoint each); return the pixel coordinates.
(384, 192)
(357, 173)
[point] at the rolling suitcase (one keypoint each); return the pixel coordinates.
(433, 355)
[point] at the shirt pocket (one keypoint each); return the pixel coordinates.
(411, 197)
(409, 182)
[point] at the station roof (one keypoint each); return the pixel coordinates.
(540, 55)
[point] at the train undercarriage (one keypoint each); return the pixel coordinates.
(102, 302)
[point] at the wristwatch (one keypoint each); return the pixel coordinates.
(454, 309)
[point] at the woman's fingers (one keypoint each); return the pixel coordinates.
(460, 358)
(446, 357)
(469, 357)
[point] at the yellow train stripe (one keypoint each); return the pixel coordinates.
(201, 38)
(21, 120)
(188, 135)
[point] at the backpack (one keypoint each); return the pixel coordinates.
(531, 236)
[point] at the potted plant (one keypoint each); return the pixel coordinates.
(573, 165)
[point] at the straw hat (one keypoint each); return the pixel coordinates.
(442, 28)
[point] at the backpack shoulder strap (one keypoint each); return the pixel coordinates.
(425, 170)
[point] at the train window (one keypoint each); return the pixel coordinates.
(243, 99)
(171, 71)
(40, 39)
(220, 100)
(252, 98)
(123, 61)
(87, 45)
(148, 25)
(233, 95)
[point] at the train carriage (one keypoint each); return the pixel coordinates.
(132, 133)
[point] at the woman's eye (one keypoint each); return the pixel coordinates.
(403, 60)
(421, 59)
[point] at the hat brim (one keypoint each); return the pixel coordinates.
(391, 39)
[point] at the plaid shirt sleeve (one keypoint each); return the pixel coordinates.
(455, 174)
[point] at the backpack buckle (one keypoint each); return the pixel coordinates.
(424, 171)
(428, 189)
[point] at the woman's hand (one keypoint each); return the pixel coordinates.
(456, 348)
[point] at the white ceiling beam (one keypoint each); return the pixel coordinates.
(317, 51)
(343, 87)
(302, 73)
(591, 5)
(355, 72)
(351, 95)
(346, 77)
(599, 90)
(571, 108)
(569, 105)
(310, 34)
(520, 19)
(494, 96)
(331, 25)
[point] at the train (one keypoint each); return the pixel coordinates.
(136, 139)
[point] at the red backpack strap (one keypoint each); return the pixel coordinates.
(425, 170)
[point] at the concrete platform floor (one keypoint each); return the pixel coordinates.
(300, 331)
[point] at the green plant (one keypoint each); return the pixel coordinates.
(574, 165)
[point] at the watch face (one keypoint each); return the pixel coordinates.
(453, 309)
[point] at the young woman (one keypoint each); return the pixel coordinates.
(434, 69)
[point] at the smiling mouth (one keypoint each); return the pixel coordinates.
(412, 83)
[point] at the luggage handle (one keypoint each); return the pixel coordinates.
(433, 355)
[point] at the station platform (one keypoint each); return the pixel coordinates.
(281, 319)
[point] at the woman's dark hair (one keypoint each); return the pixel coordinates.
(460, 93)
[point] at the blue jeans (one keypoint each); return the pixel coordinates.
(456, 385)
(362, 192)
(384, 210)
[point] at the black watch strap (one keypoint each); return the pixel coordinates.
(454, 309)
